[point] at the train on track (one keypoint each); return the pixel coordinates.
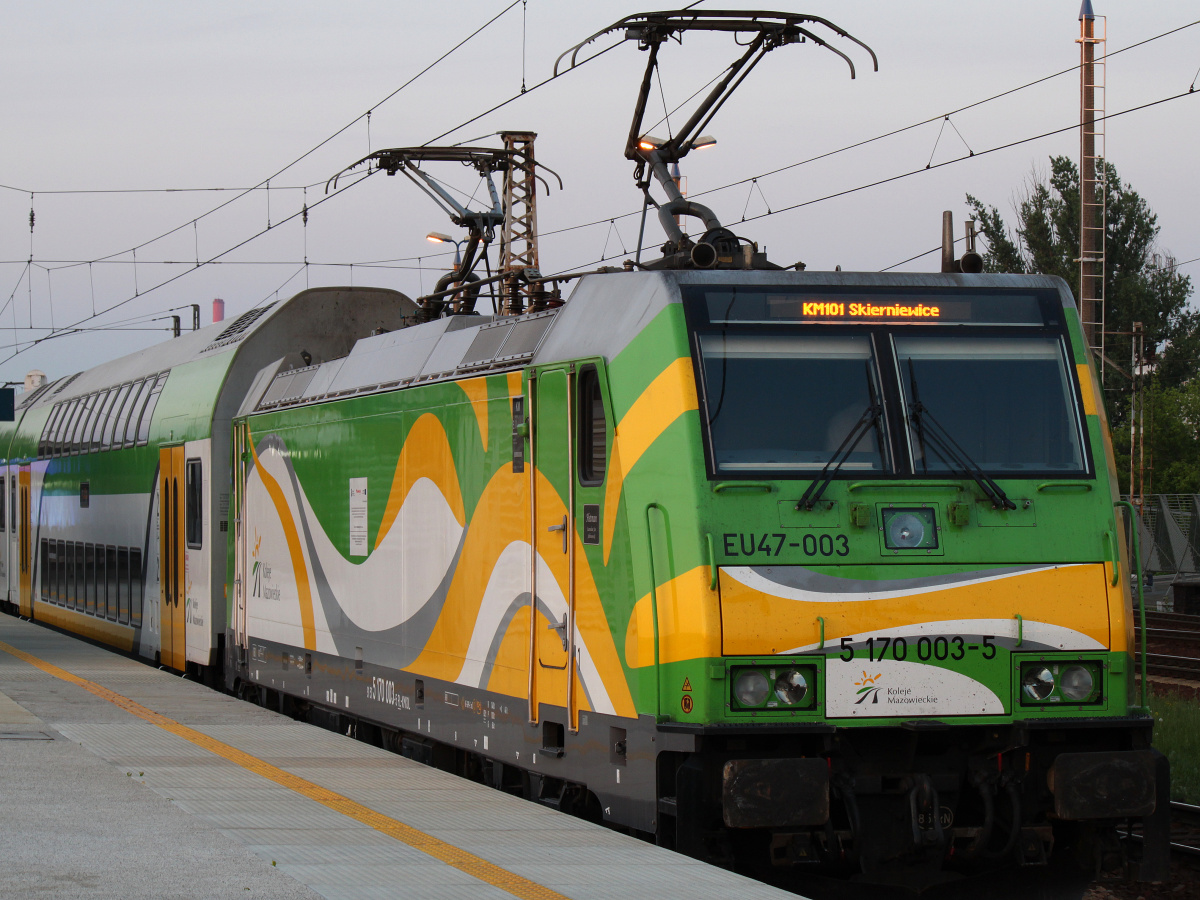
(791, 571)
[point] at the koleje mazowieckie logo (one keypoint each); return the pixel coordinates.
(868, 688)
(256, 569)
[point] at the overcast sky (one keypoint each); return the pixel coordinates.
(149, 96)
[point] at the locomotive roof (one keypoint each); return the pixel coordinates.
(602, 315)
(219, 339)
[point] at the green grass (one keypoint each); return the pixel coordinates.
(1177, 735)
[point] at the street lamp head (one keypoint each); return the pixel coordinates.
(437, 237)
(705, 140)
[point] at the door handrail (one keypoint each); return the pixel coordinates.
(1137, 563)
(569, 540)
(533, 553)
(654, 596)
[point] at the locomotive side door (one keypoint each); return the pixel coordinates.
(172, 577)
(553, 656)
(25, 544)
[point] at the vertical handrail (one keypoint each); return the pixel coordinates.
(239, 467)
(238, 564)
(569, 538)
(654, 598)
(1137, 563)
(532, 416)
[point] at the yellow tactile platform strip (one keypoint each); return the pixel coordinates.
(460, 859)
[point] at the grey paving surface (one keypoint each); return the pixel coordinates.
(104, 804)
(71, 825)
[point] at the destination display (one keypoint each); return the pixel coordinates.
(766, 305)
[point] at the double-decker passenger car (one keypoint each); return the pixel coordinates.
(118, 477)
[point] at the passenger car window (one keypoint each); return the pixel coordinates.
(193, 503)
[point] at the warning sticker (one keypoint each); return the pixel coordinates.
(687, 683)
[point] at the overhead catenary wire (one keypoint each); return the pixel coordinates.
(1005, 146)
(264, 182)
(215, 259)
(267, 180)
(336, 193)
(611, 220)
(771, 212)
(911, 172)
(887, 134)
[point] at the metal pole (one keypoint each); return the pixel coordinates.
(1133, 398)
(1088, 243)
(1141, 388)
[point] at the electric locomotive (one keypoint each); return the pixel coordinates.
(783, 568)
(791, 571)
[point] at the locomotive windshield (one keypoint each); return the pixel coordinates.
(813, 389)
(789, 376)
(1007, 402)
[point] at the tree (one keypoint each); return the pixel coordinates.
(1141, 285)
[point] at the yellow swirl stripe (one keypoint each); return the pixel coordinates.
(668, 396)
(295, 550)
(426, 454)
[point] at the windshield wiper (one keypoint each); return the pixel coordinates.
(864, 424)
(930, 431)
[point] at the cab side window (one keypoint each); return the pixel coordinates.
(593, 429)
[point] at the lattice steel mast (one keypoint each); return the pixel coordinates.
(1092, 188)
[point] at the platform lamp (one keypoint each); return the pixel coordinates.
(436, 237)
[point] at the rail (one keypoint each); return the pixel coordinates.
(1172, 636)
(1185, 832)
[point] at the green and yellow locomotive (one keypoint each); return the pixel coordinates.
(787, 570)
(779, 567)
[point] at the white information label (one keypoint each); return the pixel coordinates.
(358, 517)
(893, 688)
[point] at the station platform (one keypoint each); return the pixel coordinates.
(121, 780)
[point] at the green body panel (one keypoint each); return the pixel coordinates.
(188, 400)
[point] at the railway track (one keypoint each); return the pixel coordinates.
(1185, 834)
(1185, 831)
(1172, 645)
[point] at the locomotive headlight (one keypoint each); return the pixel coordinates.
(909, 529)
(1076, 683)
(791, 687)
(751, 687)
(1064, 681)
(1037, 682)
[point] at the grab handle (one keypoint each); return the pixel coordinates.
(765, 486)
(922, 485)
(1064, 486)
